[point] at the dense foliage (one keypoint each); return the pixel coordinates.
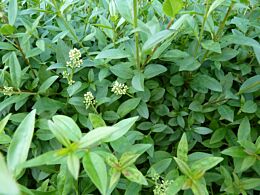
(129, 97)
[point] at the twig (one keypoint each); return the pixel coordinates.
(157, 46)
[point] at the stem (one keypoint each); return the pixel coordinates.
(73, 34)
(216, 101)
(202, 27)
(136, 34)
(128, 94)
(157, 46)
(220, 29)
(222, 24)
(20, 92)
(94, 108)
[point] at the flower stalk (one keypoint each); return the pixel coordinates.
(137, 50)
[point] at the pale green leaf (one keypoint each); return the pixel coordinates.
(19, 147)
(96, 169)
(172, 7)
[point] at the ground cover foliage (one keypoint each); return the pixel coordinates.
(129, 97)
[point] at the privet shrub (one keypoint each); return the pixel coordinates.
(129, 97)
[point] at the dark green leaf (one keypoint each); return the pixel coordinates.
(128, 106)
(15, 70)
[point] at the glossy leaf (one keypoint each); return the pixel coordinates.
(244, 130)
(172, 7)
(112, 54)
(12, 11)
(134, 175)
(46, 84)
(15, 70)
(7, 183)
(182, 150)
(128, 106)
(3, 122)
(73, 165)
(19, 147)
(96, 169)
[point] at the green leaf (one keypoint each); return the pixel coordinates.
(73, 89)
(15, 70)
(123, 127)
(142, 110)
(226, 113)
(202, 130)
(250, 183)
(138, 81)
(125, 9)
(97, 136)
(214, 5)
(13, 99)
(3, 122)
(218, 135)
(176, 185)
(211, 46)
(182, 150)
(6, 46)
(40, 44)
(19, 147)
(122, 71)
(49, 158)
(235, 151)
(240, 40)
(159, 167)
(184, 168)
(114, 179)
(209, 83)
(155, 39)
(153, 70)
(46, 84)
(7, 29)
(134, 175)
(96, 120)
(247, 163)
(244, 130)
(45, 104)
(188, 64)
(227, 54)
(128, 158)
(7, 184)
(201, 166)
(127, 106)
(12, 11)
(66, 127)
(73, 165)
(250, 85)
(96, 169)
(172, 7)
(199, 187)
(249, 107)
(112, 54)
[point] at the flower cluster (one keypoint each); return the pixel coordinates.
(160, 186)
(74, 62)
(119, 88)
(89, 99)
(8, 90)
(67, 75)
